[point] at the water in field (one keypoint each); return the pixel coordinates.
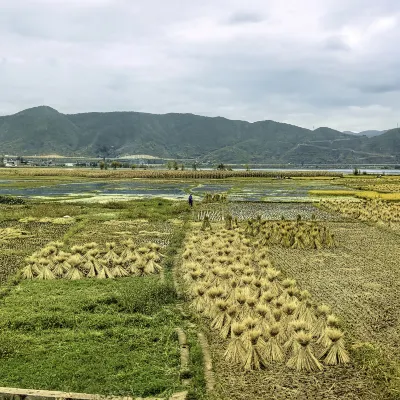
(104, 188)
(236, 190)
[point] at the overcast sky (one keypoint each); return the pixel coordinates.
(311, 63)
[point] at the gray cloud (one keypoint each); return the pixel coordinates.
(378, 88)
(243, 17)
(335, 43)
(310, 63)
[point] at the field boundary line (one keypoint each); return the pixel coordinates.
(9, 393)
(208, 366)
(184, 350)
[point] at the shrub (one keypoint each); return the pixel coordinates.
(11, 200)
(115, 205)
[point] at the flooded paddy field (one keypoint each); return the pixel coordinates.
(254, 190)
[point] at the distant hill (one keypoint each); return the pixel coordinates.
(369, 133)
(43, 130)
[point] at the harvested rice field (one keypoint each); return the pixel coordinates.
(249, 294)
(269, 211)
(361, 290)
(360, 278)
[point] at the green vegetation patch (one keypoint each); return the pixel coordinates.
(108, 337)
(11, 200)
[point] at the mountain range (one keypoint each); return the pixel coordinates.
(43, 130)
(369, 133)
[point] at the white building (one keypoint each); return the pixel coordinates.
(11, 161)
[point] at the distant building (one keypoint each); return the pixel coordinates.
(11, 161)
(140, 159)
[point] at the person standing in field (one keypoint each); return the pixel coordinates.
(190, 200)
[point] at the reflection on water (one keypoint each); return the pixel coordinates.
(115, 188)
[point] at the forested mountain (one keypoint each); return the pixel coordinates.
(369, 133)
(43, 130)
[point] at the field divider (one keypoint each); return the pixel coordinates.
(208, 366)
(33, 394)
(184, 349)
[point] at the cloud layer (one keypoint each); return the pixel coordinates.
(311, 63)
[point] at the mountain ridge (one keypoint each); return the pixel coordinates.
(43, 129)
(368, 133)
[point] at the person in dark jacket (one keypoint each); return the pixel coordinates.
(191, 201)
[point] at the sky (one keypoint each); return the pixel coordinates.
(309, 63)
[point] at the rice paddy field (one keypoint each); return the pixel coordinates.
(294, 283)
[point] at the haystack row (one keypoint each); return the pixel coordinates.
(92, 261)
(265, 318)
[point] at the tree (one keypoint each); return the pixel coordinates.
(194, 166)
(221, 167)
(169, 164)
(133, 166)
(175, 165)
(182, 167)
(102, 165)
(246, 166)
(115, 164)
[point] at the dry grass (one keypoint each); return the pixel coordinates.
(384, 184)
(9, 234)
(368, 195)
(47, 220)
(322, 192)
(160, 174)
(385, 214)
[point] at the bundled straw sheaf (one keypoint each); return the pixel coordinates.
(92, 261)
(296, 234)
(7, 234)
(376, 210)
(265, 318)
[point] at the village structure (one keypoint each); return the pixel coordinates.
(12, 161)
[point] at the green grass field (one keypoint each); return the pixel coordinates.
(104, 336)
